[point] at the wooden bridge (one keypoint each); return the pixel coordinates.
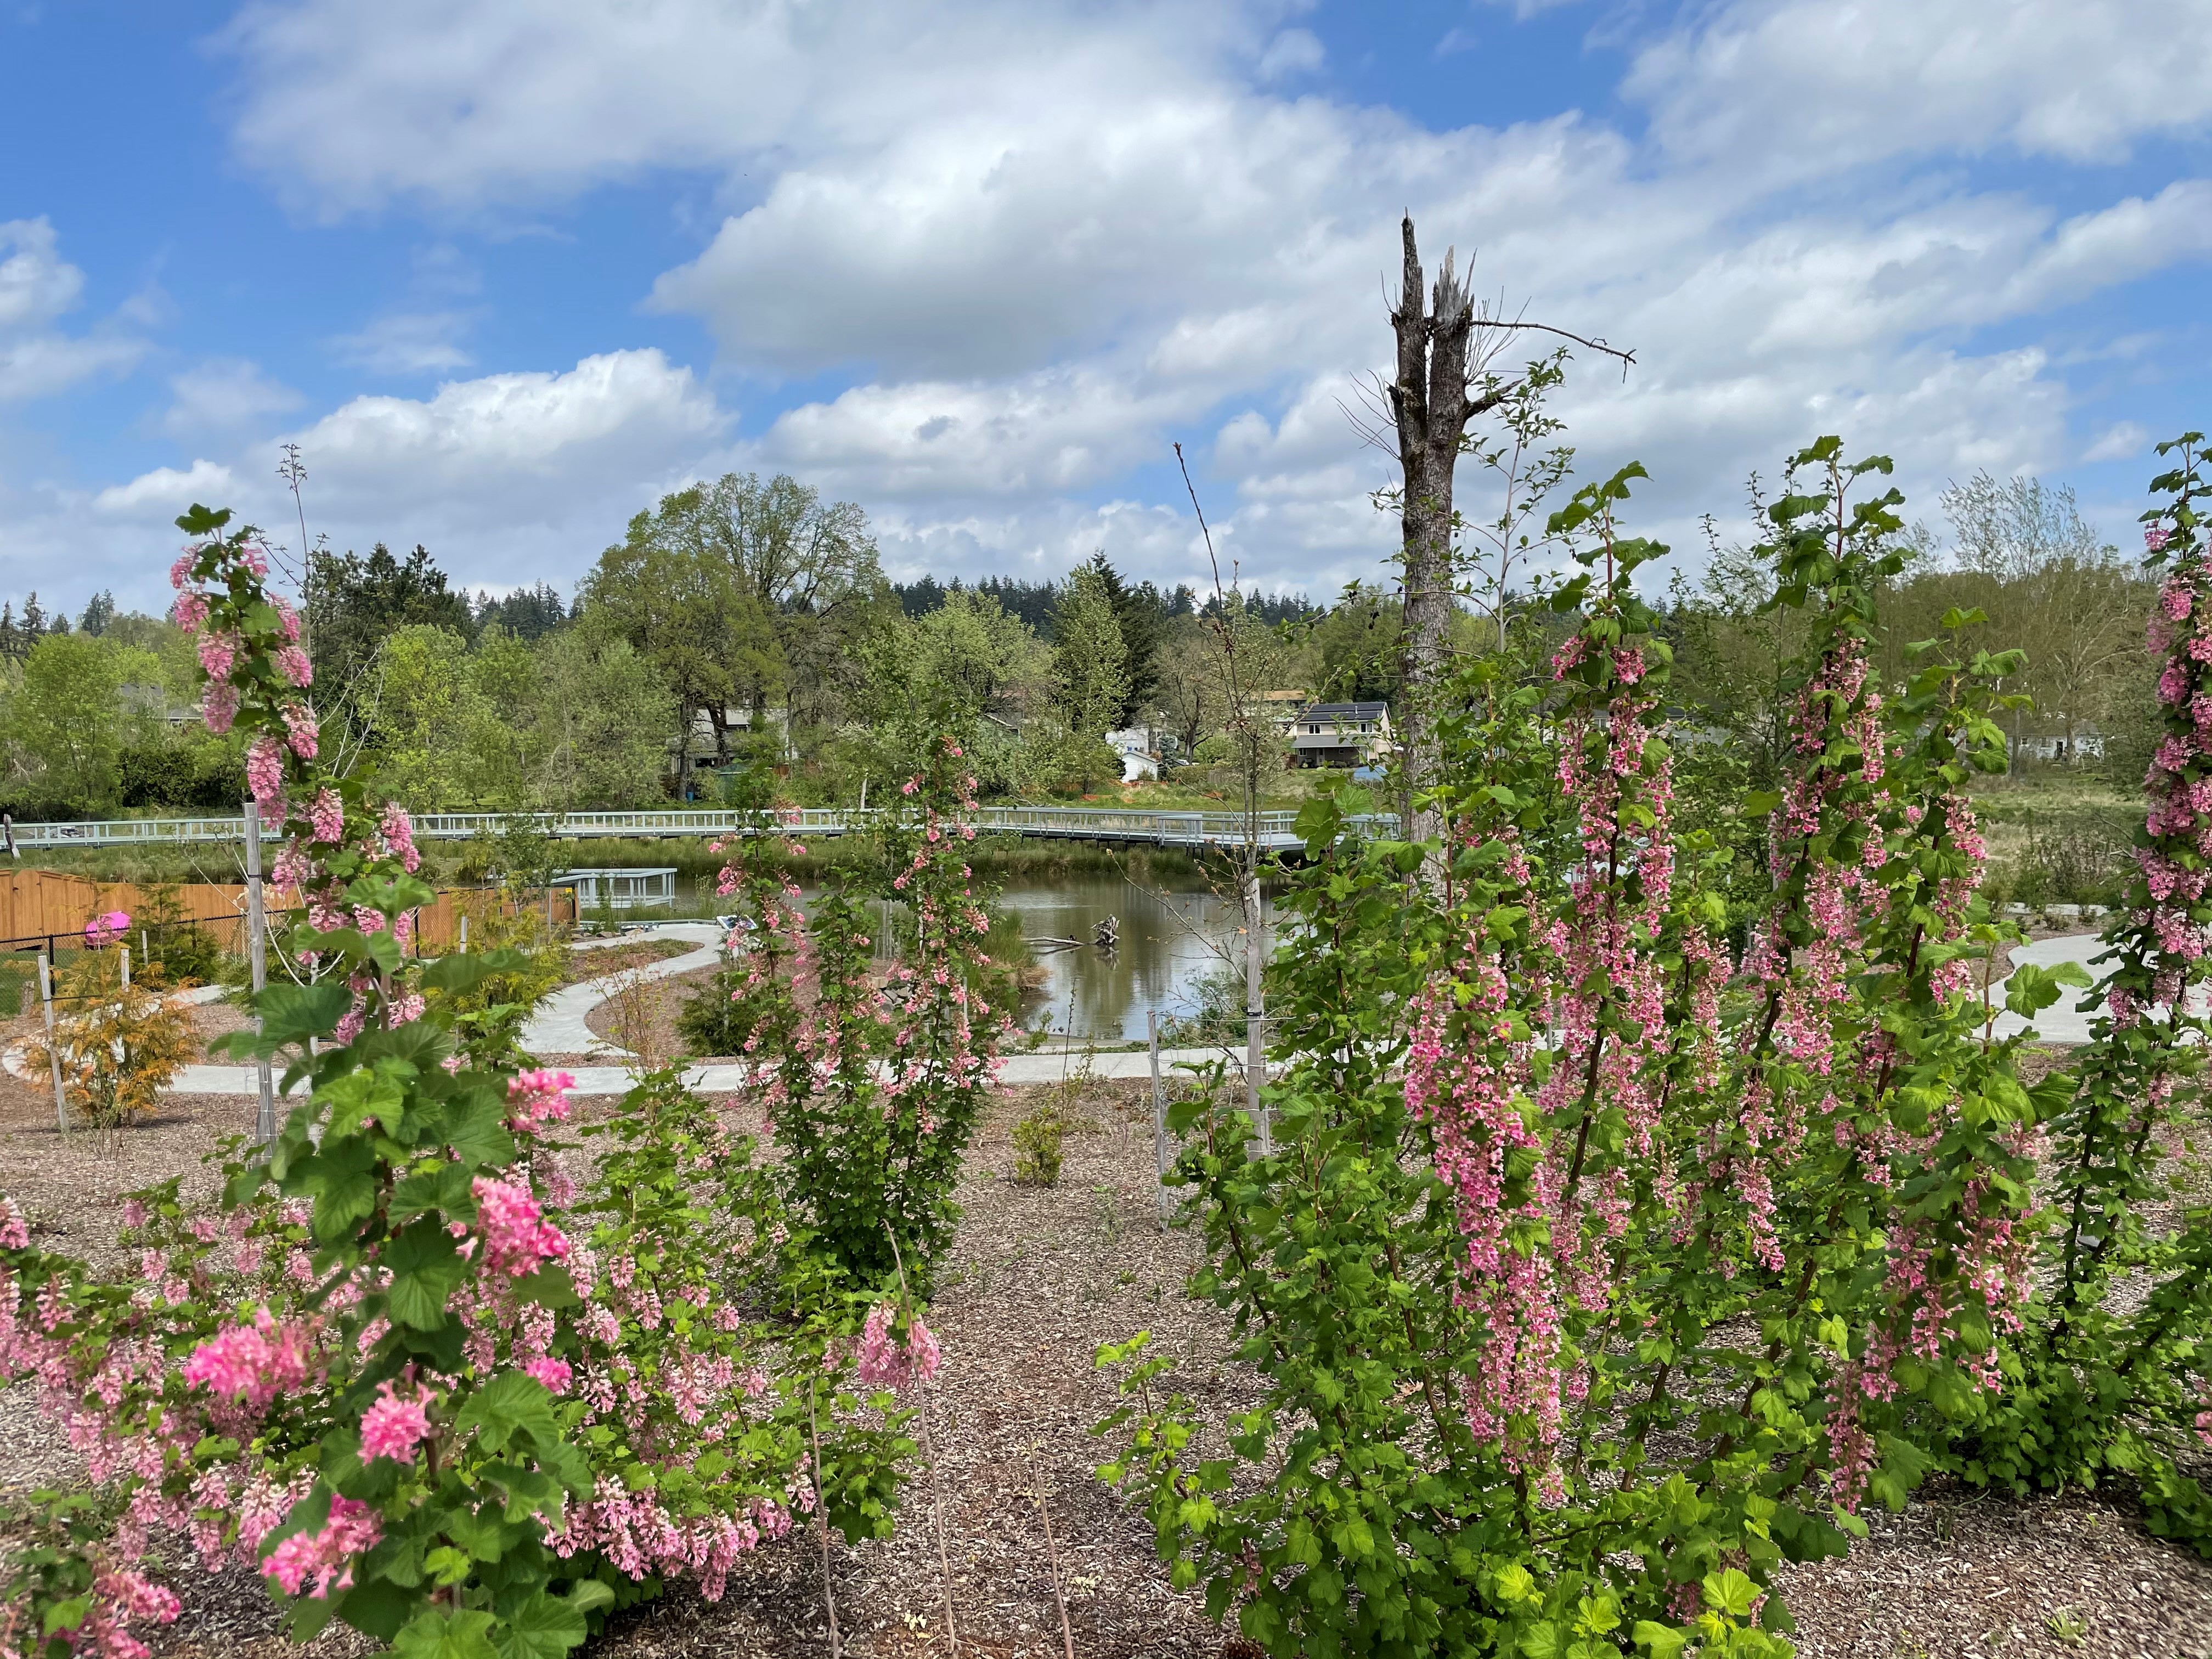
(1192, 831)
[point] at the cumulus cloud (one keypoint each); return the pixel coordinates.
(167, 490)
(1119, 227)
(37, 288)
(1804, 87)
(507, 478)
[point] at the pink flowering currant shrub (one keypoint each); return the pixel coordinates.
(410, 1373)
(1597, 1271)
(874, 1084)
(2112, 1378)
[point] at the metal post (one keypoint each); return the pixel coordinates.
(464, 933)
(1159, 1110)
(1255, 1039)
(124, 958)
(53, 1051)
(256, 955)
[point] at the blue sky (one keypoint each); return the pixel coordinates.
(506, 269)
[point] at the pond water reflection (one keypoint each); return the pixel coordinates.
(1168, 941)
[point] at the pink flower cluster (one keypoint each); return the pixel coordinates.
(120, 1596)
(642, 1538)
(253, 1364)
(517, 1238)
(883, 1362)
(326, 1555)
(537, 1098)
(395, 1424)
(264, 769)
(302, 733)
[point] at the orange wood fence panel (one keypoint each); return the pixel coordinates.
(35, 903)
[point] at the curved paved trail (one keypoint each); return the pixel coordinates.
(558, 1027)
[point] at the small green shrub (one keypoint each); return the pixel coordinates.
(1037, 1146)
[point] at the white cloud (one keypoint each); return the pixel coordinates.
(2122, 441)
(37, 288)
(507, 452)
(36, 285)
(408, 343)
(221, 395)
(166, 491)
(507, 478)
(1291, 54)
(1041, 238)
(1524, 9)
(1807, 86)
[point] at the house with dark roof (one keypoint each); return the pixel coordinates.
(1339, 733)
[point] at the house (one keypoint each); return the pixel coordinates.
(1139, 751)
(1338, 733)
(155, 702)
(700, 751)
(2054, 749)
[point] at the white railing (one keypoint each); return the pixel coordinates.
(1276, 830)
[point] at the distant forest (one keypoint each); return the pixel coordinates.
(1036, 603)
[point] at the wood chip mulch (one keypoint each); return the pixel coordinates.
(1037, 1280)
(597, 961)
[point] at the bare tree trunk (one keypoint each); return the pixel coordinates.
(1429, 400)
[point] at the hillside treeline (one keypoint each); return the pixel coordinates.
(749, 622)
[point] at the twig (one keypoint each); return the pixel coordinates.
(821, 1525)
(929, 1456)
(1052, 1555)
(1627, 358)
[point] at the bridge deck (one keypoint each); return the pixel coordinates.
(1277, 831)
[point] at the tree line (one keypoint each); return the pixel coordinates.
(747, 621)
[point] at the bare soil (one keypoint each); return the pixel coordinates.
(1037, 1278)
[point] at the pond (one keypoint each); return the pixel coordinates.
(1168, 942)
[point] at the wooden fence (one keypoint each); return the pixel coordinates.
(37, 905)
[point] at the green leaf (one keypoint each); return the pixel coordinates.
(550, 1287)
(425, 1268)
(1660, 1641)
(457, 972)
(437, 1635)
(67, 1615)
(2031, 988)
(475, 1127)
(1514, 1585)
(444, 1189)
(291, 1012)
(376, 1605)
(1730, 1591)
(590, 1595)
(511, 1406)
(544, 1627)
(342, 1180)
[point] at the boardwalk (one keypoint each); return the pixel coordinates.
(1194, 831)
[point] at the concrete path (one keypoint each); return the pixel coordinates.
(15, 1066)
(557, 1027)
(2059, 1022)
(713, 1079)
